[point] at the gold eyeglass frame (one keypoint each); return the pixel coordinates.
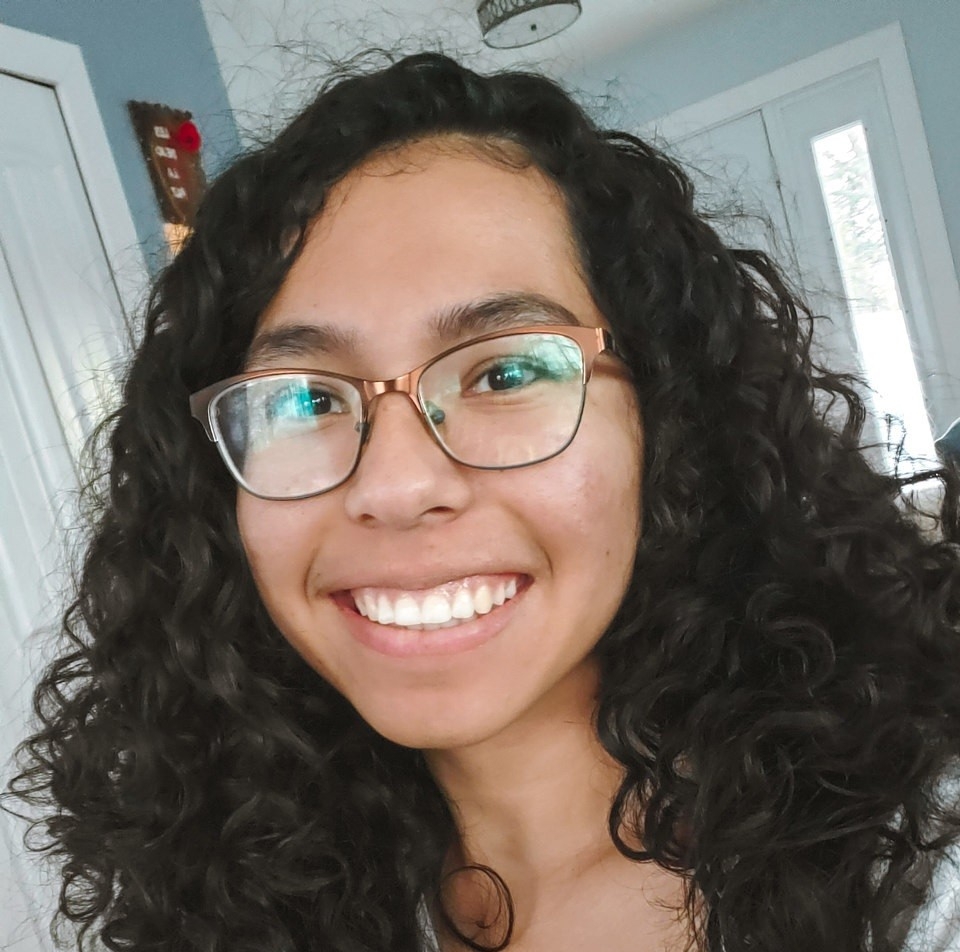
(592, 341)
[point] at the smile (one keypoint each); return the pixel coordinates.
(444, 606)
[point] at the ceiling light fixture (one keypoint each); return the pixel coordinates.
(512, 23)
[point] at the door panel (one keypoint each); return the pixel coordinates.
(738, 177)
(62, 338)
(53, 249)
(736, 180)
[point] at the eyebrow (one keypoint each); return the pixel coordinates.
(460, 322)
(299, 340)
(499, 312)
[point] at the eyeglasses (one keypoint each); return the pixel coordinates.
(500, 401)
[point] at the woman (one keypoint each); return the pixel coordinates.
(532, 601)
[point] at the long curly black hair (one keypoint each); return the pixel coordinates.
(780, 683)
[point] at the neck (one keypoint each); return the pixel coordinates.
(533, 801)
(532, 804)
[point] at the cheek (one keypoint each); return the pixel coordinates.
(609, 463)
(588, 500)
(614, 494)
(278, 539)
(274, 537)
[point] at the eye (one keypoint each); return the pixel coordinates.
(302, 401)
(509, 373)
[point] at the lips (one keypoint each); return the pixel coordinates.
(443, 606)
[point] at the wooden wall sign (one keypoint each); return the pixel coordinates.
(171, 148)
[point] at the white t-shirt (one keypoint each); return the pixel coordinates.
(936, 927)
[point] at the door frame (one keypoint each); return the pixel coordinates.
(60, 66)
(886, 48)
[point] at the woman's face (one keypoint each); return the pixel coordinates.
(405, 239)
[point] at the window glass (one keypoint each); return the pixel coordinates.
(856, 222)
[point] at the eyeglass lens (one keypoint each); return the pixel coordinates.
(495, 404)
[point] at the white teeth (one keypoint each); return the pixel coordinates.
(435, 610)
(462, 605)
(442, 607)
(483, 600)
(406, 612)
(363, 606)
(384, 610)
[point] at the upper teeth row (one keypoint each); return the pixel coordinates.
(436, 608)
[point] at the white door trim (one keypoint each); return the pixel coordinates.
(884, 45)
(60, 65)
(886, 48)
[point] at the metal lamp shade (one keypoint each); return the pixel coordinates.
(512, 23)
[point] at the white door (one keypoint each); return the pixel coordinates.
(831, 150)
(739, 183)
(62, 339)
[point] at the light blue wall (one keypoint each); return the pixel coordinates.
(151, 50)
(739, 40)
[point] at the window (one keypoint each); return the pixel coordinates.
(849, 189)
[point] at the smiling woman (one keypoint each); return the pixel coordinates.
(479, 567)
(410, 523)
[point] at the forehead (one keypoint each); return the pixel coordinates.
(422, 233)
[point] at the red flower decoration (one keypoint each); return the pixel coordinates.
(187, 137)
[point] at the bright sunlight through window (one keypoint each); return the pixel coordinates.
(870, 286)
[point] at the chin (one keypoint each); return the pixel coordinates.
(451, 730)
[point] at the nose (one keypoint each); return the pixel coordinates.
(404, 478)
